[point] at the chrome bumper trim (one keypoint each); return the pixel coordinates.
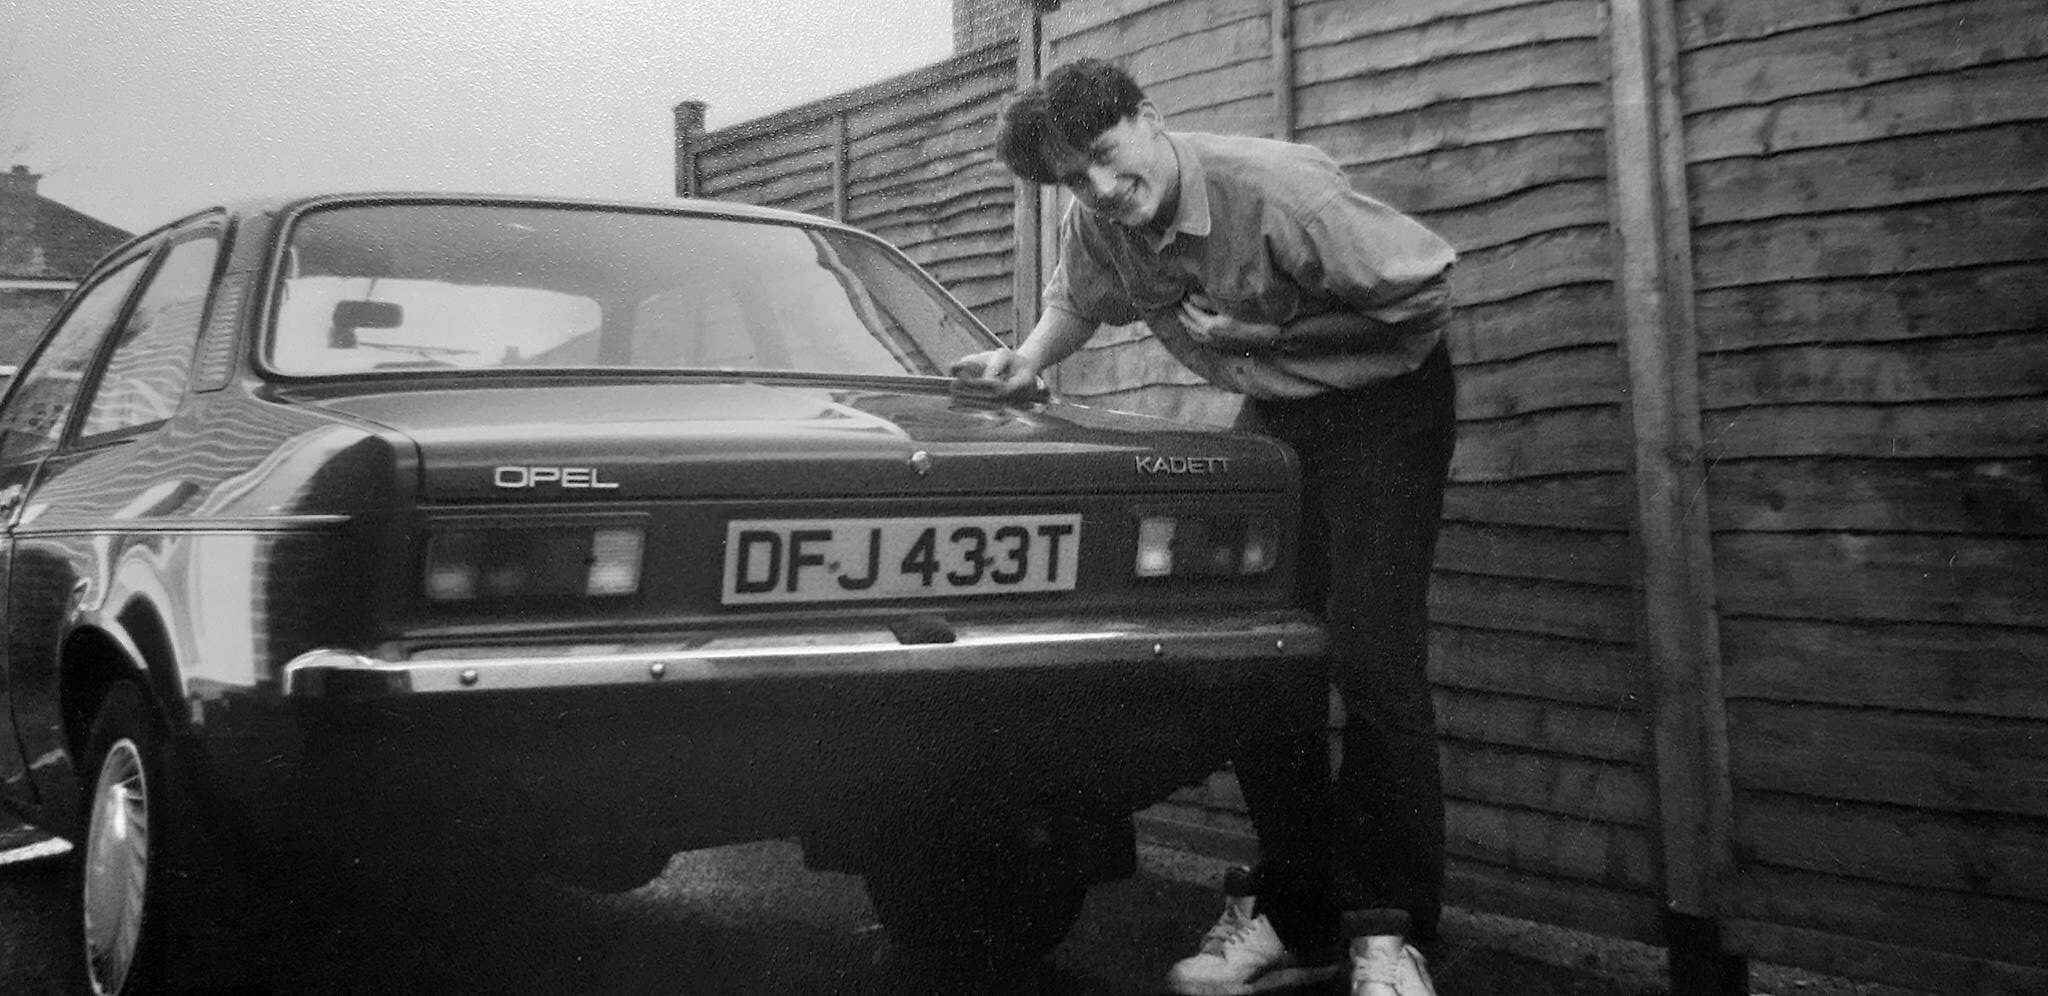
(340, 674)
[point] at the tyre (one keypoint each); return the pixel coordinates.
(994, 909)
(140, 873)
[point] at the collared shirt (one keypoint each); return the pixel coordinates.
(1267, 232)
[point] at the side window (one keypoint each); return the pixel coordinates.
(41, 403)
(152, 357)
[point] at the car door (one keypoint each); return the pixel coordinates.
(86, 501)
(33, 418)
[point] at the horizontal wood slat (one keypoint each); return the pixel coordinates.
(1529, 841)
(1554, 259)
(1329, 51)
(1917, 968)
(1565, 786)
(1968, 429)
(1862, 52)
(1568, 903)
(1877, 174)
(1972, 97)
(1331, 22)
(1568, 441)
(1545, 554)
(1578, 672)
(1877, 308)
(1548, 319)
(1720, 22)
(2007, 228)
(1543, 66)
(1988, 497)
(1960, 670)
(1182, 99)
(1354, 139)
(1565, 378)
(1936, 762)
(1596, 501)
(1970, 367)
(1982, 926)
(1881, 577)
(1132, 24)
(1552, 207)
(1995, 856)
(1474, 175)
(1535, 724)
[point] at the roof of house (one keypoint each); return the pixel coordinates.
(42, 239)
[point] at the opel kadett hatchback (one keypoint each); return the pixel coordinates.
(552, 536)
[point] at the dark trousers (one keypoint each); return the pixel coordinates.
(1375, 461)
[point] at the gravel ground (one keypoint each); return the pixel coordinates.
(730, 898)
(1628, 966)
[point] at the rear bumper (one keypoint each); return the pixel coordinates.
(851, 738)
(1205, 647)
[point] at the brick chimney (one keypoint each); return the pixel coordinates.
(20, 181)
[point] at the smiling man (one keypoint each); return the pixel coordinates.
(1256, 264)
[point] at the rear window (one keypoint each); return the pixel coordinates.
(423, 286)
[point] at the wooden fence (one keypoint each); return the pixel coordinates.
(1741, 606)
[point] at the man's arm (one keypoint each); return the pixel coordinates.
(1342, 331)
(1057, 335)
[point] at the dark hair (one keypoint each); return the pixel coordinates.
(1064, 111)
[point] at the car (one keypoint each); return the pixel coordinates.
(360, 533)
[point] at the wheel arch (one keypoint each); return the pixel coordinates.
(96, 656)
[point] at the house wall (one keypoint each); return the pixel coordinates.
(24, 311)
(983, 22)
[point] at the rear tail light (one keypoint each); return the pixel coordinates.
(484, 564)
(1206, 545)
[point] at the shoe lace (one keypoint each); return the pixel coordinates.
(1230, 927)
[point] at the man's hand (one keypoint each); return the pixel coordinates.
(1219, 331)
(998, 373)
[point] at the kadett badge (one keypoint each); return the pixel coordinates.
(921, 462)
(1183, 465)
(517, 478)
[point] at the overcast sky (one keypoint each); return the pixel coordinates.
(137, 111)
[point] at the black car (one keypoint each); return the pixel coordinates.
(374, 531)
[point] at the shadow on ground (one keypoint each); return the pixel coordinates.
(745, 920)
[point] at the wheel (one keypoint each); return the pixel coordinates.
(992, 908)
(139, 871)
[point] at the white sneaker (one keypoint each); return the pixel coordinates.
(1242, 953)
(1383, 963)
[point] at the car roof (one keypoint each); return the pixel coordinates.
(279, 205)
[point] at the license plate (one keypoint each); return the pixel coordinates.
(843, 560)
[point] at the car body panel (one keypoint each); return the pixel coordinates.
(259, 560)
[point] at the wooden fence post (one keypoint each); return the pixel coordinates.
(1027, 280)
(840, 150)
(689, 115)
(1680, 625)
(1282, 19)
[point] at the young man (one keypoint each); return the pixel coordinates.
(1256, 265)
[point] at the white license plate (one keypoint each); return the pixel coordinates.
(843, 560)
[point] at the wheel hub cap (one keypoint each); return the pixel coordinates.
(116, 868)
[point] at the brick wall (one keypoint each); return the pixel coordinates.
(981, 22)
(23, 313)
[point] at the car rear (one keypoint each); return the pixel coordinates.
(650, 596)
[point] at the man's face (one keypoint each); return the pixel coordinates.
(1127, 174)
